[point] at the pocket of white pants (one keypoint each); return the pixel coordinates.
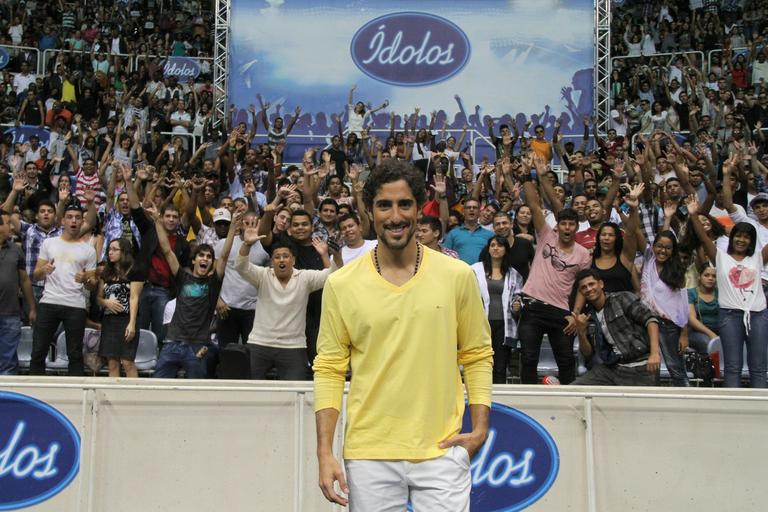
(461, 455)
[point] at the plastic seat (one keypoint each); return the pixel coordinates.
(547, 363)
(24, 351)
(61, 359)
(715, 351)
(664, 372)
(146, 353)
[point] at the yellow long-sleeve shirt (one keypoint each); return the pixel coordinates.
(404, 345)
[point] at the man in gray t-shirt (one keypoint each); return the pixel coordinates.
(237, 301)
(12, 277)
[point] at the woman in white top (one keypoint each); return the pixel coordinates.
(357, 115)
(499, 285)
(743, 314)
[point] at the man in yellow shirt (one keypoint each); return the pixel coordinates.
(403, 317)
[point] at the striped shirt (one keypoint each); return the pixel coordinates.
(83, 183)
(32, 237)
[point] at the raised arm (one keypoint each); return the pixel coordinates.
(165, 246)
(221, 262)
(532, 201)
(706, 242)
(292, 122)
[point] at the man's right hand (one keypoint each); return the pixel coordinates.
(222, 309)
(330, 472)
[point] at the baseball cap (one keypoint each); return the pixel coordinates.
(762, 197)
(222, 215)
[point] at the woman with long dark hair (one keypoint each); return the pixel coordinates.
(522, 224)
(662, 288)
(119, 291)
(703, 310)
(743, 314)
(614, 254)
(499, 284)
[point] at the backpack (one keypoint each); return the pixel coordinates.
(701, 366)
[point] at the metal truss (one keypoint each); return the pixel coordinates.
(221, 62)
(602, 71)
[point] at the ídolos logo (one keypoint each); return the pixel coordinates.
(410, 49)
(517, 464)
(181, 67)
(39, 451)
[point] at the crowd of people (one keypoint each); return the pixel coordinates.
(650, 247)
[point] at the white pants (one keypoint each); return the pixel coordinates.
(441, 484)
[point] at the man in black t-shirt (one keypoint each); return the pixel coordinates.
(188, 337)
(521, 250)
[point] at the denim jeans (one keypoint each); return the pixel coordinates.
(151, 308)
(10, 335)
(669, 339)
(733, 335)
(537, 320)
(49, 316)
(698, 341)
(180, 354)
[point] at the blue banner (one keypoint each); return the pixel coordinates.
(469, 61)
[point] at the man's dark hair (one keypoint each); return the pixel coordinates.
(72, 206)
(392, 170)
(171, 207)
(328, 200)
(587, 272)
(284, 243)
(301, 213)
(46, 202)
(567, 214)
(348, 216)
(202, 248)
(433, 223)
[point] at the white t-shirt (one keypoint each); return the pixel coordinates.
(348, 254)
(738, 282)
(236, 292)
(762, 234)
(21, 82)
(181, 116)
(69, 258)
(16, 32)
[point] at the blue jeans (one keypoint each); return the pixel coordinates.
(698, 341)
(180, 354)
(733, 335)
(669, 339)
(10, 335)
(151, 308)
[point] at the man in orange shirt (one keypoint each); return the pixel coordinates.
(540, 145)
(57, 111)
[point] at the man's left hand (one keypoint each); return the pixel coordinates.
(654, 363)
(471, 442)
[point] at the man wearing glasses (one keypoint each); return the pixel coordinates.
(557, 260)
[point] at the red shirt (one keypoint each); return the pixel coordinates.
(159, 270)
(587, 238)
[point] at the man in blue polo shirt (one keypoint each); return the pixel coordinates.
(470, 238)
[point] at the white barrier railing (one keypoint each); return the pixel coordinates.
(14, 51)
(193, 445)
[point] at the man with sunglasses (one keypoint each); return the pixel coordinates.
(540, 145)
(557, 260)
